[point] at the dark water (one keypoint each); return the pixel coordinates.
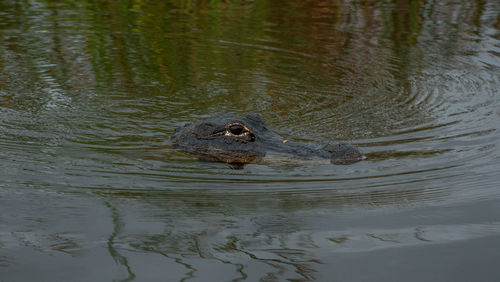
(91, 190)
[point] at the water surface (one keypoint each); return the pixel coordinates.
(91, 190)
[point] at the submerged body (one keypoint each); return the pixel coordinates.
(242, 140)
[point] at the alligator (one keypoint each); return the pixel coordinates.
(242, 140)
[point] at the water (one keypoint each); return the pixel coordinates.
(91, 189)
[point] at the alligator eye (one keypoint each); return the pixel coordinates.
(236, 129)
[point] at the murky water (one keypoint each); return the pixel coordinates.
(91, 189)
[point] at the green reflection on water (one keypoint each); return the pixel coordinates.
(202, 56)
(91, 90)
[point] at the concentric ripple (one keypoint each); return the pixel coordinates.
(90, 93)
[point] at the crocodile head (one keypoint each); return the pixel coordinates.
(224, 138)
(241, 140)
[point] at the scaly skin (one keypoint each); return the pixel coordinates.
(242, 140)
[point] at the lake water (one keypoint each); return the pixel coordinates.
(91, 189)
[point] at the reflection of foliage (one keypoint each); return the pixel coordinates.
(262, 48)
(117, 229)
(329, 61)
(163, 32)
(127, 36)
